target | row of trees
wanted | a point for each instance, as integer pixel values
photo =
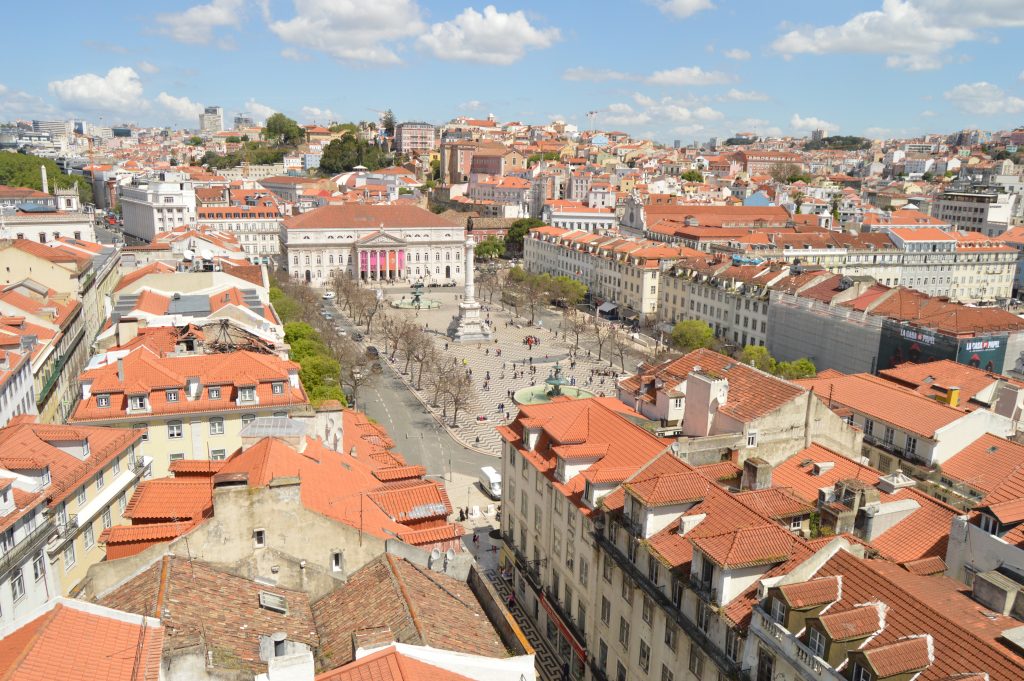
(693, 334)
(528, 292)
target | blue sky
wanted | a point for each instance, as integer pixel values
(669, 69)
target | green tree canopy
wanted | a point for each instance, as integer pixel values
(568, 291)
(757, 356)
(517, 232)
(343, 154)
(693, 176)
(692, 334)
(546, 156)
(490, 248)
(387, 122)
(283, 130)
(194, 141)
(22, 170)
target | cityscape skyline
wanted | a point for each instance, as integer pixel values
(937, 68)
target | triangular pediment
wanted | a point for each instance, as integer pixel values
(380, 239)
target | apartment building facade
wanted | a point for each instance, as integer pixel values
(157, 204)
(256, 226)
(414, 137)
(189, 406)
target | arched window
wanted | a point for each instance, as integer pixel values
(330, 260)
(437, 257)
(295, 260)
(307, 259)
(319, 260)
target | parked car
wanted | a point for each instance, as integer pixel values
(372, 351)
(328, 295)
(358, 336)
(490, 481)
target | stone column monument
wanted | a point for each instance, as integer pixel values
(469, 326)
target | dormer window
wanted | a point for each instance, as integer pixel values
(247, 394)
(816, 641)
(988, 524)
(172, 395)
(137, 402)
(277, 388)
(214, 393)
(861, 673)
(103, 401)
(778, 611)
(560, 470)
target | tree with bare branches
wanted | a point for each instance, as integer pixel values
(458, 390)
(422, 351)
(619, 343)
(576, 323)
(357, 368)
(602, 332)
(439, 370)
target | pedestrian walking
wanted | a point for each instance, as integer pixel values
(476, 537)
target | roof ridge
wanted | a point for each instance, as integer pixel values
(407, 603)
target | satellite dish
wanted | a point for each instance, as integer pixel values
(435, 555)
(187, 254)
(449, 554)
(206, 254)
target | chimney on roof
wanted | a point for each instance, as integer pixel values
(953, 396)
(120, 370)
(127, 329)
(757, 474)
(46, 183)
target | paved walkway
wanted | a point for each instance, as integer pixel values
(511, 370)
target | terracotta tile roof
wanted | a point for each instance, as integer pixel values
(860, 621)
(25, 445)
(798, 472)
(777, 502)
(926, 566)
(194, 467)
(147, 373)
(420, 607)
(122, 541)
(654, 488)
(992, 465)
(170, 499)
(199, 602)
(432, 535)
(910, 654)
(595, 421)
(343, 487)
(389, 665)
(884, 401)
(399, 473)
(965, 639)
(746, 547)
(723, 470)
(363, 216)
(752, 393)
(935, 378)
(813, 592)
(75, 641)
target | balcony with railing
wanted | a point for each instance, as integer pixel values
(530, 569)
(729, 667)
(567, 619)
(802, 659)
(29, 544)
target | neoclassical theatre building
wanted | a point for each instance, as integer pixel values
(373, 243)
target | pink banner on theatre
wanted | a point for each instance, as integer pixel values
(362, 262)
(401, 260)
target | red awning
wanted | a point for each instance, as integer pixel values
(566, 632)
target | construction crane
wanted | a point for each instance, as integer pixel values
(592, 115)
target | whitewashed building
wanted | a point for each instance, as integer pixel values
(373, 243)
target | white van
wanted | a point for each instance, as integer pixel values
(490, 480)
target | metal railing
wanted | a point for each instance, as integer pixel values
(36, 539)
(566, 617)
(729, 667)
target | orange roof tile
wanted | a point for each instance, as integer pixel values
(748, 546)
(860, 621)
(813, 592)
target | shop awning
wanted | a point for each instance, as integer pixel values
(553, 614)
(607, 307)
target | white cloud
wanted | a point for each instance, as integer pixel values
(760, 126)
(17, 104)
(623, 114)
(682, 9)
(471, 105)
(878, 133)
(260, 112)
(491, 37)
(984, 98)
(688, 75)
(706, 113)
(118, 91)
(318, 114)
(147, 67)
(913, 34)
(737, 54)
(197, 24)
(735, 95)
(595, 75)
(182, 108)
(294, 55)
(801, 124)
(928, 114)
(351, 30)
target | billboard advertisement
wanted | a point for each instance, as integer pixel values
(901, 343)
